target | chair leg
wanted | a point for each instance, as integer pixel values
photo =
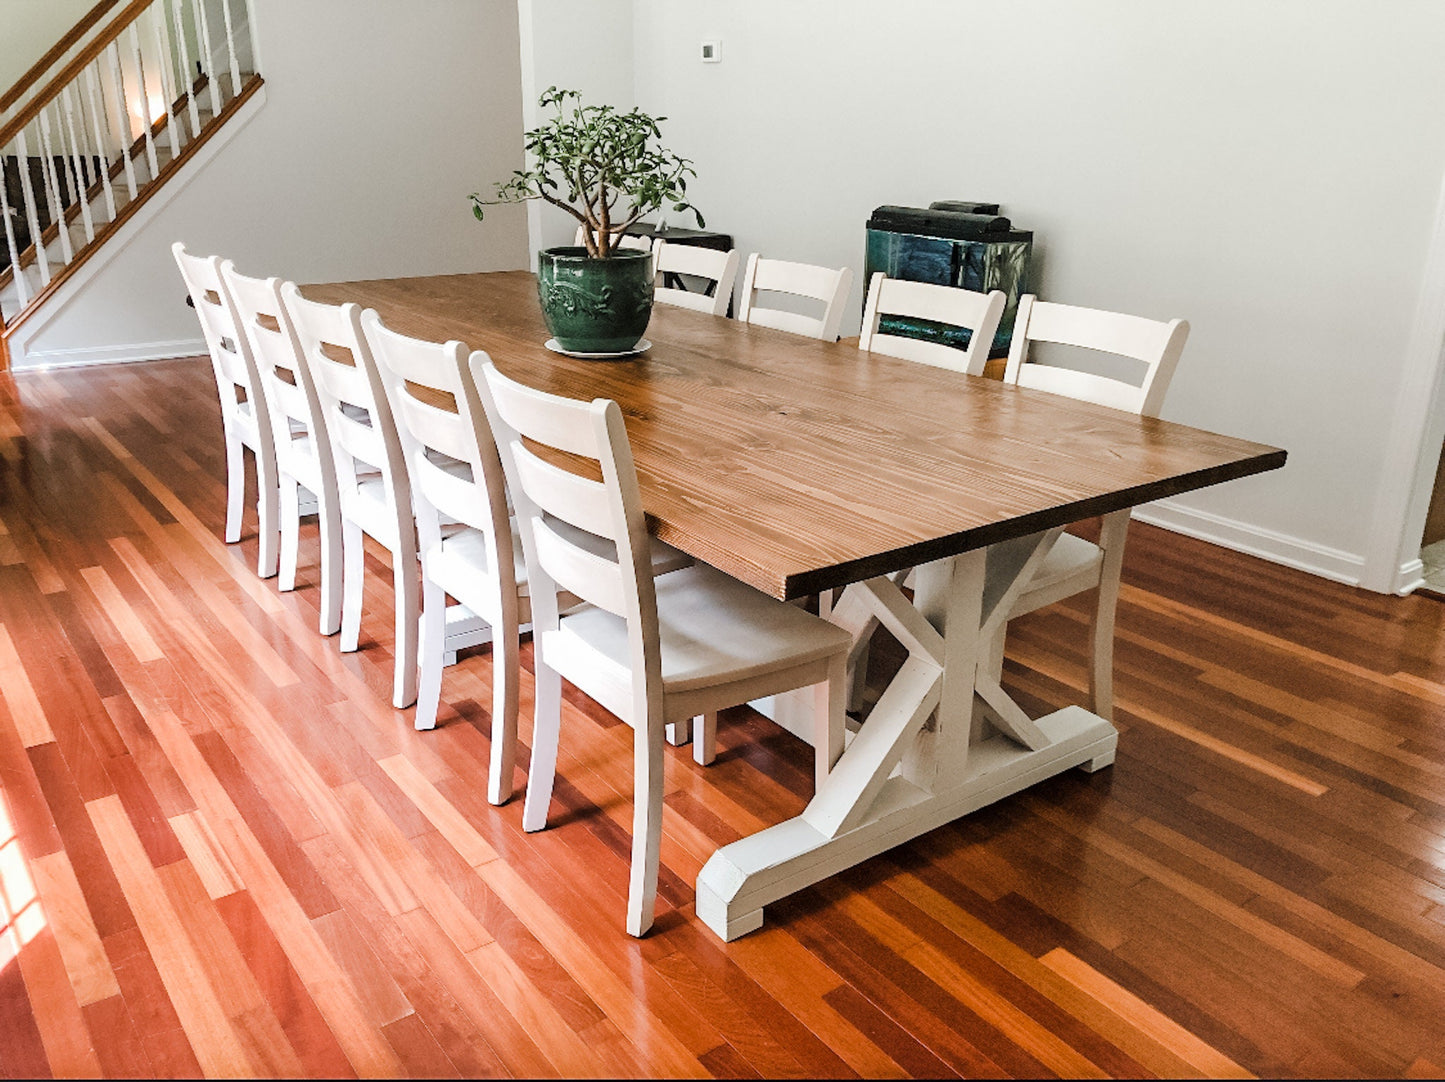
(290, 507)
(679, 732)
(646, 825)
(408, 622)
(542, 773)
(330, 522)
(235, 487)
(830, 719)
(858, 674)
(1101, 668)
(268, 508)
(506, 676)
(353, 560)
(704, 738)
(430, 653)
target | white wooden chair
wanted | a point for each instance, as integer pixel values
(371, 475)
(651, 651)
(1075, 565)
(303, 447)
(245, 413)
(977, 312)
(463, 523)
(801, 280)
(466, 535)
(720, 268)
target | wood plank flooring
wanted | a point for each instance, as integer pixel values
(223, 853)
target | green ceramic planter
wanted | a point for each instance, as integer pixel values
(595, 305)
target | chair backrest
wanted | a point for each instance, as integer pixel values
(610, 509)
(721, 268)
(978, 312)
(286, 381)
(237, 377)
(441, 421)
(1157, 345)
(353, 402)
(801, 280)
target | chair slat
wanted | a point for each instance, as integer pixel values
(358, 440)
(442, 430)
(1085, 386)
(454, 497)
(578, 500)
(591, 577)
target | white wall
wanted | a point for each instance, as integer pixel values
(581, 45)
(380, 118)
(28, 29)
(1267, 171)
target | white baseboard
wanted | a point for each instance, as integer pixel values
(1409, 578)
(1244, 537)
(139, 351)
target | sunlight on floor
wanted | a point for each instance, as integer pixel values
(21, 918)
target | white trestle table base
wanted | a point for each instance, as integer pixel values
(942, 741)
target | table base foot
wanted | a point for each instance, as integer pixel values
(743, 877)
(713, 911)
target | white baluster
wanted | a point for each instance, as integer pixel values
(32, 216)
(168, 89)
(122, 116)
(79, 166)
(140, 76)
(190, 76)
(231, 49)
(97, 116)
(208, 56)
(22, 285)
(57, 213)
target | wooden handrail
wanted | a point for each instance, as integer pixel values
(74, 68)
(63, 46)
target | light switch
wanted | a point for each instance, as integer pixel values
(711, 51)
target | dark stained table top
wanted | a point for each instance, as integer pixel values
(797, 465)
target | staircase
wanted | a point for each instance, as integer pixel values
(110, 115)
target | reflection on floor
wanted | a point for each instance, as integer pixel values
(1433, 557)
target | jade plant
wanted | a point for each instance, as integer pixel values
(604, 167)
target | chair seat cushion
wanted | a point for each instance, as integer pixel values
(713, 630)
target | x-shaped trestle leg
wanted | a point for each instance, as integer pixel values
(913, 765)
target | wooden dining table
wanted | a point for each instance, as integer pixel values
(798, 466)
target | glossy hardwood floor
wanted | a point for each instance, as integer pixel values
(222, 852)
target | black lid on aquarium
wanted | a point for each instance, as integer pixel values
(952, 224)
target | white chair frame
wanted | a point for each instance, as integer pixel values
(720, 268)
(978, 312)
(245, 413)
(1074, 565)
(371, 476)
(303, 446)
(630, 615)
(799, 279)
(464, 527)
